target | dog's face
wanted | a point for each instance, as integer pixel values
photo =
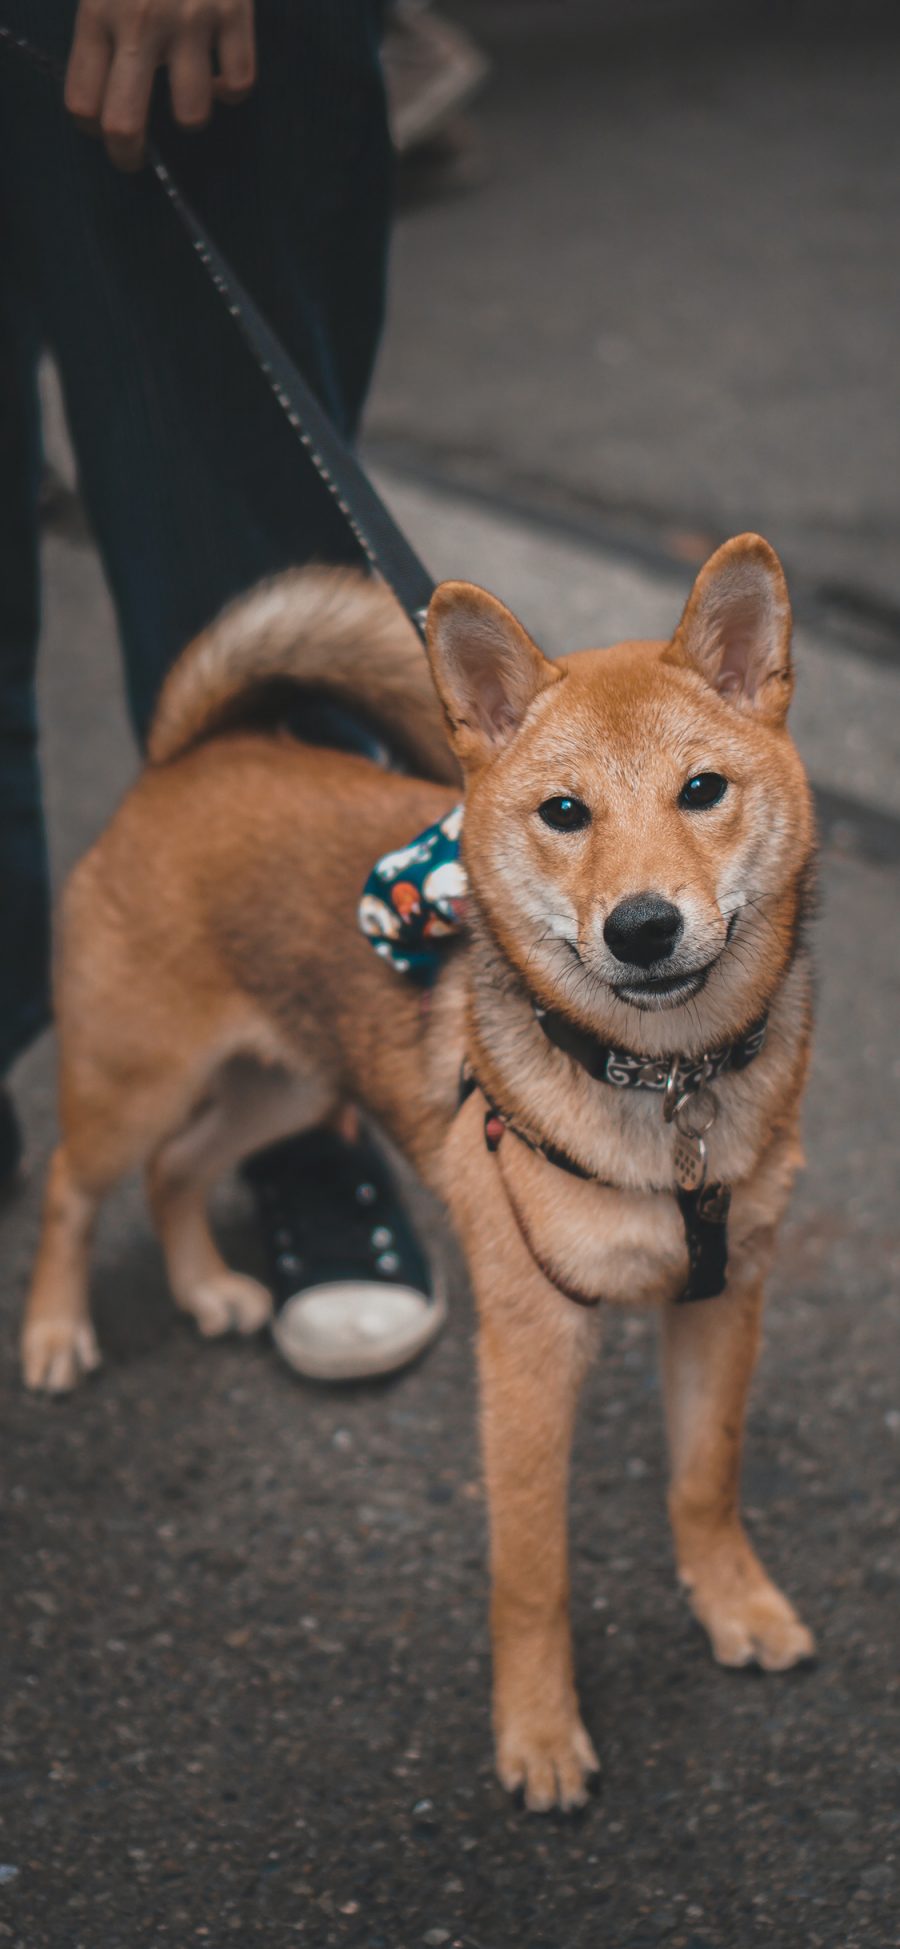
(638, 822)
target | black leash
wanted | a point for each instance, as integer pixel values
(384, 546)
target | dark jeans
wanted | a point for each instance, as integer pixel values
(194, 483)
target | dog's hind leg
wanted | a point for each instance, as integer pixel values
(112, 1117)
(709, 1351)
(119, 1105)
(248, 1107)
(219, 1300)
(58, 1340)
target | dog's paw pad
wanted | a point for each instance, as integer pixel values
(56, 1354)
(229, 1303)
(551, 1766)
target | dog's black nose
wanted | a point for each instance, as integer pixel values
(643, 929)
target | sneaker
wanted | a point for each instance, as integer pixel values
(354, 1293)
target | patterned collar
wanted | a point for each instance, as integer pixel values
(678, 1076)
(414, 900)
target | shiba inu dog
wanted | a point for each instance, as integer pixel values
(630, 1006)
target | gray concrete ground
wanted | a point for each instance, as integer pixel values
(245, 1672)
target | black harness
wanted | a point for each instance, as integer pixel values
(687, 1102)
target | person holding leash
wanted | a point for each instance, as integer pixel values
(273, 119)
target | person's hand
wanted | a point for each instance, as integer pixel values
(118, 46)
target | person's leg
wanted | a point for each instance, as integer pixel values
(24, 899)
(194, 482)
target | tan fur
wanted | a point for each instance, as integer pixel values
(214, 991)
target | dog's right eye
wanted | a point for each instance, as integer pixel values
(565, 814)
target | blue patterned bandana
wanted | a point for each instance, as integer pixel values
(414, 899)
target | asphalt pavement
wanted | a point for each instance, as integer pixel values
(244, 1659)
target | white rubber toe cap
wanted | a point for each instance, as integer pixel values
(351, 1329)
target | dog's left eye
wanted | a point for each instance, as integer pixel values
(707, 788)
(565, 814)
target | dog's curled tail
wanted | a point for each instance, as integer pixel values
(333, 631)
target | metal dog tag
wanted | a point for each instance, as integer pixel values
(690, 1161)
(696, 1114)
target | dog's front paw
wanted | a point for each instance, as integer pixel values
(748, 1619)
(57, 1353)
(551, 1760)
(230, 1302)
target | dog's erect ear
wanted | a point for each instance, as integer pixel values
(486, 669)
(736, 629)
